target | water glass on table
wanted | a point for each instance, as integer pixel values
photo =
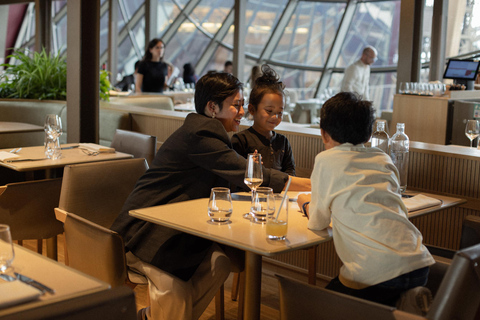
(277, 224)
(53, 131)
(220, 206)
(264, 204)
(6, 249)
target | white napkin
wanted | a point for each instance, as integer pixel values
(4, 155)
(96, 148)
(15, 292)
(420, 201)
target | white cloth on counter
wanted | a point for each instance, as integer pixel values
(96, 148)
(4, 155)
(419, 202)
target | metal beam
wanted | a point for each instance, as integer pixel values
(438, 39)
(151, 18)
(112, 61)
(336, 46)
(214, 43)
(278, 31)
(83, 42)
(173, 28)
(239, 39)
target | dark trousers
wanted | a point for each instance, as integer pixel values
(387, 292)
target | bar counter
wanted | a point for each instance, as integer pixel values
(438, 169)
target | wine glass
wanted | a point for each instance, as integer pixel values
(6, 248)
(253, 176)
(53, 131)
(472, 130)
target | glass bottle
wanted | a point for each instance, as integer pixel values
(399, 146)
(380, 138)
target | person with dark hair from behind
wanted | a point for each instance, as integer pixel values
(152, 70)
(356, 190)
(266, 105)
(189, 75)
(129, 80)
(185, 271)
(256, 72)
(228, 67)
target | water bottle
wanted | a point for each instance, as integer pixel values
(380, 138)
(399, 145)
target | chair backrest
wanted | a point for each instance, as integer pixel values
(97, 191)
(459, 294)
(28, 208)
(138, 144)
(303, 301)
(470, 232)
(95, 250)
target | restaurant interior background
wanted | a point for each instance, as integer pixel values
(309, 43)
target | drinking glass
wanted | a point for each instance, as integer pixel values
(220, 205)
(6, 248)
(277, 223)
(472, 130)
(53, 131)
(253, 176)
(264, 204)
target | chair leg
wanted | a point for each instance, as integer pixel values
(39, 246)
(220, 304)
(52, 248)
(241, 294)
(235, 283)
(312, 265)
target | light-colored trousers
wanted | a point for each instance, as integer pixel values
(172, 298)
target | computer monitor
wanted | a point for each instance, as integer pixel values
(462, 71)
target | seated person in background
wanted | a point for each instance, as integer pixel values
(152, 70)
(189, 75)
(185, 271)
(228, 67)
(255, 73)
(266, 104)
(357, 189)
(128, 81)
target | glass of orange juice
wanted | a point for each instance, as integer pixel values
(277, 224)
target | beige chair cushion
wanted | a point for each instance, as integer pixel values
(138, 144)
(97, 191)
(28, 208)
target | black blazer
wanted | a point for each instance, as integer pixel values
(194, 159)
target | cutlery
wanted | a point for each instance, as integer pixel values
(34, 283)
(16, 150)
(72, 147)
(37, 285)
(19, 160)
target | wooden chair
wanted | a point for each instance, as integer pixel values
(457, 298)
(138, 144)
(28, 208)
(97, 191)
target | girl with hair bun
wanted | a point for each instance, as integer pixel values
(266, 105)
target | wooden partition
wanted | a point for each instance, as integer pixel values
(448, 170)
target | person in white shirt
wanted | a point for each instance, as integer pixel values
(357, 75)
(356, 189)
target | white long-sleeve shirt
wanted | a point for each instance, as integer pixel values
(357, 189)
(356, 79)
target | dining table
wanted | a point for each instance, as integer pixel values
(65, 283)
(31, 159)
(18, 127)
(191, 217)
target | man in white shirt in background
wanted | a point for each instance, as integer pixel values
(357, 75)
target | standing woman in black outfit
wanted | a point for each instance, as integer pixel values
(152, 71)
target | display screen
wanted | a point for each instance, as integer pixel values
(461, 69)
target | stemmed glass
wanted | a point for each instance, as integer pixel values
(6, 249)
(53, 131)
(253, 176)
(472, 130)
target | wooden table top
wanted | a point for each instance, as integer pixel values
(17, 127)
(69, 156)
